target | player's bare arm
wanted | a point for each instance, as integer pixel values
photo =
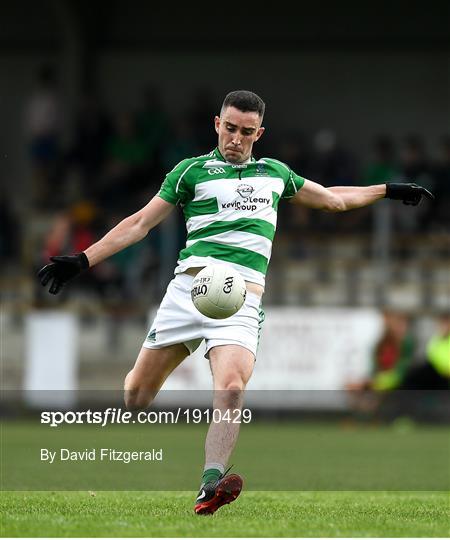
(343, 198)
(130, 230)
(337, 199)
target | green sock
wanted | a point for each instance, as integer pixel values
(211, 475)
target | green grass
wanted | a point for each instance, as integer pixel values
(343, 481)
(264, 514)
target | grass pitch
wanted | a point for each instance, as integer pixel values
(355, 482)
(264, 514)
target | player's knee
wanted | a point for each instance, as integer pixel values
(136, 397)
(235, 386)
(231, 394)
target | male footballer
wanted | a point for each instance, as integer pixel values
(230, 203)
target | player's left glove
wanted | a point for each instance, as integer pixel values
(410, 194)
(64, 268)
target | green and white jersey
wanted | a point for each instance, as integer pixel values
(230, 210)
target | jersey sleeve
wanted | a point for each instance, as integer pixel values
(174, 188)
(293, 183)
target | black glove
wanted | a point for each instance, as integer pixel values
(64, 268)
(408, 193)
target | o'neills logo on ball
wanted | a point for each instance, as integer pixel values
(245, 190)
(199, 290)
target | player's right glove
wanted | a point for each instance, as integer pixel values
(62, 269)
(410, 194)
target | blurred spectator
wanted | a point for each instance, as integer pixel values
(127, 168)
(393, 354)
(72, 231)
(44, 119)
(10, 226)
(201, 115)
(332, 165)
(383, 167)
(180, 145)
(294, 150)
(126, 149)
(115, 280)
(153, 122)
(434, 371)
(92, 131)
(439, 215)
(119, 279)
(58, 238)
(415, 166)
(391, 359)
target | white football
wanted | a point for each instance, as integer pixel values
(218, 291)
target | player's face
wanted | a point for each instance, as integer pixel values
(237, 132)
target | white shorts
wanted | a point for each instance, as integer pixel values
(178, 321)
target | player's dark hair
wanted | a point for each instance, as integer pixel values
(244, 101)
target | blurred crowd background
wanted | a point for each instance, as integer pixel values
(101, 99)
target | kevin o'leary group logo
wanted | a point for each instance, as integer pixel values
(245, 190)
(248, 202)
